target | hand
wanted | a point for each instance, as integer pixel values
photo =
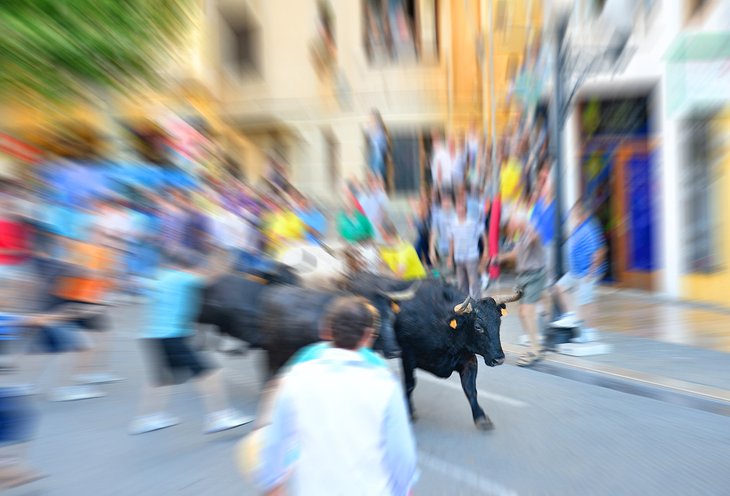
(450, 264)
(432, 255)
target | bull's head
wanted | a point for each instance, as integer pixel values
(482, 319)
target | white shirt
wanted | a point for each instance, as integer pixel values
(442, 166)
(227, 229)
(374, 204)
(339, 427)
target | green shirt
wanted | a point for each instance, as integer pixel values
(354, 228)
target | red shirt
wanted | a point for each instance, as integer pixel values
(13, 236)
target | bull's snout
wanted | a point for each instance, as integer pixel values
(496, 361)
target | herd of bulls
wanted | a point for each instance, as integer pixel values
(430, 324)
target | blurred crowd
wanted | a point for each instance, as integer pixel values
(66, 260)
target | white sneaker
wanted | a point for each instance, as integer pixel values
(485, 281)
(586, 335)
(150, 423)
(75, 393)
(567, 320)
(525, 340)
(224, 420)
(98, 378)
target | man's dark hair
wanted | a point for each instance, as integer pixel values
(348, 320)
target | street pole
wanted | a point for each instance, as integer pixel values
(493, 104)
(557, 123)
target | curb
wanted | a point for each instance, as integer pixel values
(674, 391)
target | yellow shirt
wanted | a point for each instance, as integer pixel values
(284, 227)
(510, 181)
(403, 260)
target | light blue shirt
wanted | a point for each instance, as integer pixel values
(313, 219)
(442, 222)
(466, 237)
(174, 300)
(314, 351)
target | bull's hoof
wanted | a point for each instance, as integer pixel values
(392, 354)
(484, 424)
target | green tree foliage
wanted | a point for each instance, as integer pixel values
(59, 48)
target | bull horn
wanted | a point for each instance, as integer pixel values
(500, 300)
(464, 307)
(406, 295)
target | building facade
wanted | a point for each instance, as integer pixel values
(301, 78)
(647, 141)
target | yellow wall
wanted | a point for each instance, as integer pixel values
(715, 288)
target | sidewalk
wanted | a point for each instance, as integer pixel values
(652, 338)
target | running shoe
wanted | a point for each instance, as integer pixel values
(75, 393)
(151, 423)
(224, 420)
(567, 320)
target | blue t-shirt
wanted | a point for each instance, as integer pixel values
(174, 300)
(543, 218)
(314, 351)
(195, 229)
(313, 219)
(69, 222)
(583, 244)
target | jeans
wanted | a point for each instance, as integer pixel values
(467, 277)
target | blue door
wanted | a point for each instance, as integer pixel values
(640, 213)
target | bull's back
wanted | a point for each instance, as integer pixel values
(291, 318)
(233, 303)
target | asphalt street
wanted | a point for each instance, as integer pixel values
(553, 436)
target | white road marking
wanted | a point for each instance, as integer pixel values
(484, 394)
(464, 476)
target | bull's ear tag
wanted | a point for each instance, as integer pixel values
(395, 307)
(452, 324)
(504, 312)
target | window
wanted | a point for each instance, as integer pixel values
(701, 182)
(500, 16)
(241, 41)
(400, 30)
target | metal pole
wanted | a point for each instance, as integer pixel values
(493, 104)
(557, 123)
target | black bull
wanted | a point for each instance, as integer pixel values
(438, 330)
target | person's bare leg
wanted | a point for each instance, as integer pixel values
(587, 314)
(564, 299)
(475, 283)
(14, 468)
(212, 389)
(32, 368)
(154, 399)
(84, 358)
(528, 317)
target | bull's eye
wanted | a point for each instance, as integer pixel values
(479, 329)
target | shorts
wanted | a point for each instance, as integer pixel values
(532, 284)
(97, 322)
(17, 418)
(56, 339)
(173, 361)
(584, 288)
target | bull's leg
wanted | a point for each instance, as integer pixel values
(409, 379)
(468, 373)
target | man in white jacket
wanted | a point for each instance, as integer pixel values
(337, 423)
